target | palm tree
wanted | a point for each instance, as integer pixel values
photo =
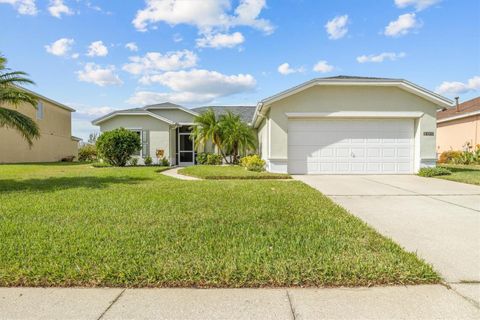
(12, 95)
(206, 128)
(237, 136)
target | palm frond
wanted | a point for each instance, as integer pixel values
(14, 78)
(15, 96)
(15, 120)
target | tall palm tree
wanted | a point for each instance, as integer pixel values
(237, 135)
(206, 128)
(12, 95)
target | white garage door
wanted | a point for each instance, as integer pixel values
(370, 146)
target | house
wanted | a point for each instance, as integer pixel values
(335, 125)
(165, 128)
(56, 141)
(459, 125)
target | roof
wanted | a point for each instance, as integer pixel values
(466, 109)
(245, 112)
(132, 112)
(355, 81)
(58, 104)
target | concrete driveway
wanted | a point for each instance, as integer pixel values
(438, 219)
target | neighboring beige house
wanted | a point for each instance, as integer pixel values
(336, 125)
(459, 125)
(56, 141)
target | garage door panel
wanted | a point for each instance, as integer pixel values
(350, 146)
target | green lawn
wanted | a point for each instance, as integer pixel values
(75, 225)
(228, 172)
(462, 173)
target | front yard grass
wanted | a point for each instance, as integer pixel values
(74, 225)
(228, 172)
(462, 173)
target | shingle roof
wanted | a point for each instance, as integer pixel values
(245, 112)
(465, 108)
(343, 77)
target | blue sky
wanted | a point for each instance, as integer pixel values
(98, 56)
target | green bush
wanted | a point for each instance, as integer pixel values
(148, 161)
(117, 146)
(164, 162)
(253, 163)
(87, 152)
(435, 171)
(214, 159)
(133, 161)
(202, 157)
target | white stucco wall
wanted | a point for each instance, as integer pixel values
(159, 131)
(350, 98)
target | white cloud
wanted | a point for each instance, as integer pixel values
(97, 49)
(392, 56)
(205, 15)
(403, 25)
(25, 7)
(61, 47)
(132, 46)
(337, 27)
(456, 87)
(285, 69)
(93, 111)
(57, 8)
(323, 67)
(154, 62)
(98, 75)
(194, 86)
(418, 4)
(220, 40)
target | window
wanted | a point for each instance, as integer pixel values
(39, 110)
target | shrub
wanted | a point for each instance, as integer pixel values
(148, 161)
(67, 159)
(117, 146)
(202, 157)
(133, 161)
(253, 163)
(164, 162)
(449, 156)
(87, 152)
(435, 171)
(214, 159)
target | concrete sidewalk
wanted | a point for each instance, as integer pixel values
(411, 302)
(174, 174)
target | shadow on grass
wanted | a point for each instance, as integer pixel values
(61, 183)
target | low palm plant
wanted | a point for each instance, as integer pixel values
(207, 128)
(11, 94)
(228, 133)
(238, 137)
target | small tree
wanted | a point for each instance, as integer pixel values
(117, 146)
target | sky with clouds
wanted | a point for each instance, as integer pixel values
(98, 55)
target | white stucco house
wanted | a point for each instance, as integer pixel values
(335, 125)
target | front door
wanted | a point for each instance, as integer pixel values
(186, 153)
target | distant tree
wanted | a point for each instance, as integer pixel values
(92, 138)
(117, 146)
(11, 94)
